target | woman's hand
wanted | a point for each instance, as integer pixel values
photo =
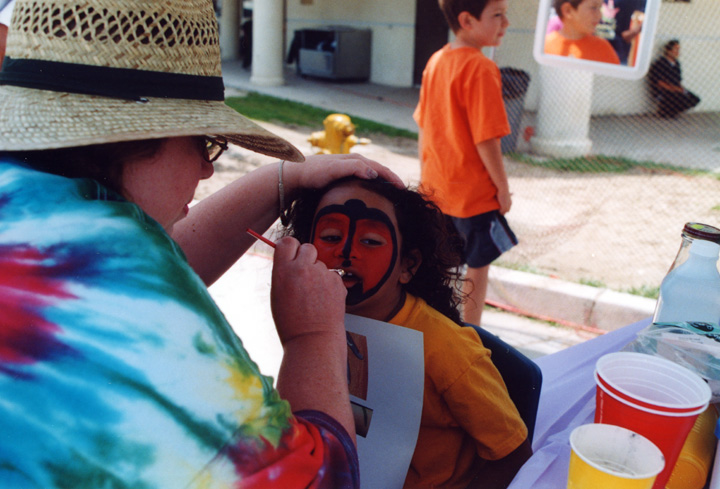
(319, 170)
(308, 305)
(213, 234)
(306, 298)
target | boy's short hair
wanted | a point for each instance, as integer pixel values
(453, 8)
(669, 45)
(557, 5)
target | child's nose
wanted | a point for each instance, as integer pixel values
(348, 250)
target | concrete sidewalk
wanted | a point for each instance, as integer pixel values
(569, 313)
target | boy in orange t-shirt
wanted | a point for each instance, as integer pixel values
(462, 118)
(576, 38)
(3, 39)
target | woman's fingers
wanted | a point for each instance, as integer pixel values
(305, 297)
(319, 170)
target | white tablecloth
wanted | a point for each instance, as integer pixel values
(567, 400)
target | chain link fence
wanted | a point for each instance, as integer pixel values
(613, 216)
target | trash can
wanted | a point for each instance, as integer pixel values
(514, 86)
(334, 52)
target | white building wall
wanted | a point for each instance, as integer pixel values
(393, 37)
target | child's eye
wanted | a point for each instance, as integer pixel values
(372, 240)
(330, 235)
(331, 238)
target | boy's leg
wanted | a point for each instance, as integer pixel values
(475, 288)
(486, 237)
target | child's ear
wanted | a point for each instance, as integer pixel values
(409, 265)
(465, 20)
(567, 9)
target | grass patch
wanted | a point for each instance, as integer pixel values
(593, 283)
(642, 291)
(272, 109)
(601, 164)
(645, 291)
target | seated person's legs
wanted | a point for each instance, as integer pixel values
(671, 104)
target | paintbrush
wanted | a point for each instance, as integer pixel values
(262, 238)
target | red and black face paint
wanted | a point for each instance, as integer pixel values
(359, 239)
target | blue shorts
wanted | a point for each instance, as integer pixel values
(486, 236)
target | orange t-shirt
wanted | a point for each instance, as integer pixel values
(3, 41)
(591, 48)
(467, 412)
(460, 105)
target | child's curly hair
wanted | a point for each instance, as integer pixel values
(422, 227)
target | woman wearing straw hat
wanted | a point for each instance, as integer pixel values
(116, 367)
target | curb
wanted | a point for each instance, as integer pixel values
(556, 300)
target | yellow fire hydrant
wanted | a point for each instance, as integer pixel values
(338, 136)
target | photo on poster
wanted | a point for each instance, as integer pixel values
(357, 365)
(358, 381)
(386, 377)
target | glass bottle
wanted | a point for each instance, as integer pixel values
(692, 231)
(691, 290)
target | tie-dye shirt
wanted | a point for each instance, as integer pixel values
(117, 370)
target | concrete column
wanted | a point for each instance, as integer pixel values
(230, 29)
(267, 43)
(563, 118)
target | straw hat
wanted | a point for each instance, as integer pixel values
(78, 72)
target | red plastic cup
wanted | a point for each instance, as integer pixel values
(623, 394)
(651, 396)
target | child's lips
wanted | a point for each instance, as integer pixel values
(350, 278)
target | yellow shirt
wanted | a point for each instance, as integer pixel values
(466, 412)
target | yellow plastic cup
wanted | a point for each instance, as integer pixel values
(607, 456)
(693, 465)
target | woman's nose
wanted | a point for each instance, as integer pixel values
(206, 170)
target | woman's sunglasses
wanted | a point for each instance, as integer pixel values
(213, 147)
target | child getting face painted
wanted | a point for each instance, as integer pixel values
(355, 230)
(400, 259)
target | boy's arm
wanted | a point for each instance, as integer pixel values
(491, 155)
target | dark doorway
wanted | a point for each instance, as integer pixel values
(431, 33)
